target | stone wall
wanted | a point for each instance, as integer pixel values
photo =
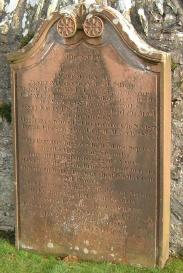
(159, 22)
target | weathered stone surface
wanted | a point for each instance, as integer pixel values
(92, 143)
(7, 200)
(162, 28)
(166, 33)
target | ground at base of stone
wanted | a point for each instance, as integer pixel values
(13, 261)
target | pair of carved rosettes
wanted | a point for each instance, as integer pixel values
(67, 26)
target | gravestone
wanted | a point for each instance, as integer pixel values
(92, 140)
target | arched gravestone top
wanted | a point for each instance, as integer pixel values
(92, 139)
(120, 24)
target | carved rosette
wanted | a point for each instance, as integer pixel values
(93, 26)
(82, 19)
(66, 26)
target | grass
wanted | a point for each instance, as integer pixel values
(13, 261)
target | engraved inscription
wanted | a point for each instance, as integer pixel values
(88, 155)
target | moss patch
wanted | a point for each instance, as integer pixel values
(26, 39)
(5, 111)
(174, 66)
